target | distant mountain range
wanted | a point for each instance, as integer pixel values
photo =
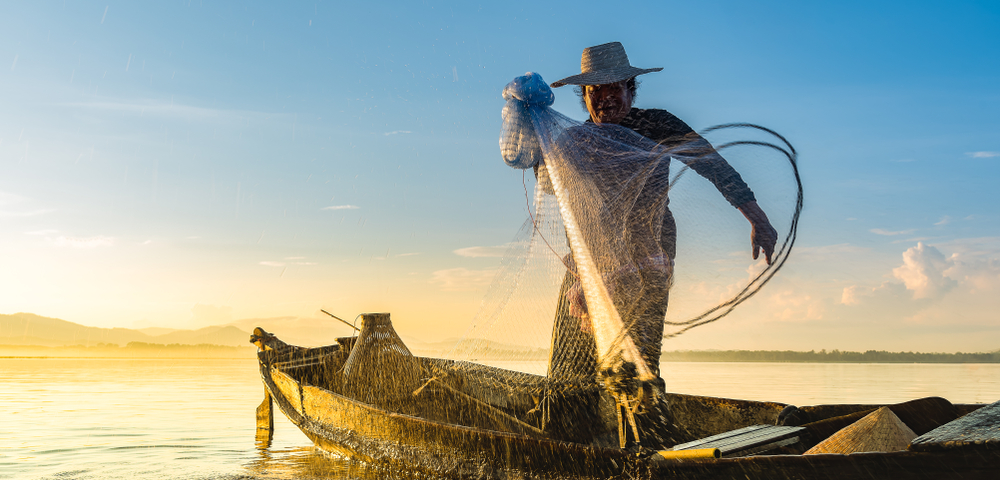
(31, 329)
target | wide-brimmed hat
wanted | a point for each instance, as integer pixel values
(602, 65)
(879, 431)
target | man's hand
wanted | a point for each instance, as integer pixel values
(762, 235)
(578, 305)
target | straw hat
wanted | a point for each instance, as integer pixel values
(602, 65)
(879, 431)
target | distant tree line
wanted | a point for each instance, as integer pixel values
(823, 356)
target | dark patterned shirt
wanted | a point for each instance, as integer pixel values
(664, 128)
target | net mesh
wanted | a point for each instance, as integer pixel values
(590, 273)
(613, 232)
(591, 270)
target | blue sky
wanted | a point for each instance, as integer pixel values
(192, 163)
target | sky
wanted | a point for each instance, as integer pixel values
(192, 163)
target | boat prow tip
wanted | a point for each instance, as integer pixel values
(260, 337)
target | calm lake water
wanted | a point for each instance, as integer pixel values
(190, 418)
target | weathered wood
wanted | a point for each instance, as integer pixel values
(979, 429)
(265, 422)
(265, 413)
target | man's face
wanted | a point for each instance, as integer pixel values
(608, 103)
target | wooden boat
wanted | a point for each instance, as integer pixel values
(463, 422)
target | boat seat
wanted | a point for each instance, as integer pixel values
(747, 441)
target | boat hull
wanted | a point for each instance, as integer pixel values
(348, 428)
(345, 427)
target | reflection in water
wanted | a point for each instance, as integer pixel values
(312, 463)
(263, 439)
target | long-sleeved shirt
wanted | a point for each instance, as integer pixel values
(669, 131)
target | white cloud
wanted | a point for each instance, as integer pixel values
(408, 254)
(926, 273)
(888, 295)
(462, 279)
(295, 258)
(272, 264)
(944, 220)
(983, 154)
(396, 132)
(879, 231)
(975, 273)
(84, 242)
(304, 263)
(923, 271)
(341, 207)
(479, 252)
(792, 305)
(852, 295)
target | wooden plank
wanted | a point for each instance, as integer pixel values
(979, 428)
(287, 388)
(700, 443)
(265, 413)
(747, 440)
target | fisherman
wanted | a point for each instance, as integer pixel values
(607, 88)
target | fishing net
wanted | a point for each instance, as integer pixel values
(613, 233)
(597, 254)
(563, 356)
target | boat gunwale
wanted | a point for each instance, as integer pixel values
(907, 461)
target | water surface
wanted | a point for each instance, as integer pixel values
(194, 418)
